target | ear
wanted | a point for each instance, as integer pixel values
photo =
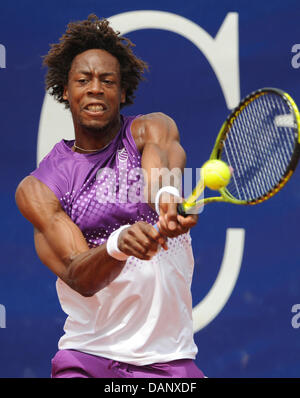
(65, 94)
(123, 96)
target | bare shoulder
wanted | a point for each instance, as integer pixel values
(155, 120)
(36, 201)
(154, 127)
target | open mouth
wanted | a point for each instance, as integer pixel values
(95, 108)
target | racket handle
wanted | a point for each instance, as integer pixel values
(180, 210)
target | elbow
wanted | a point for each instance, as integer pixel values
(84, 291)
(90, 289)
(86, 295)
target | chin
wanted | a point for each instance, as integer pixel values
(95, 126)
(98, 126)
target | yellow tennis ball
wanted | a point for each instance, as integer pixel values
(216, 174)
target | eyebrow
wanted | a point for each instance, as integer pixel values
(87, 73)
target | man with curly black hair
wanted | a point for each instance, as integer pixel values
(91, 34)
(124, 261)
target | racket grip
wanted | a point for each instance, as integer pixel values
(180, 210)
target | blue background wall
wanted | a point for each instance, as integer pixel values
(253, 335)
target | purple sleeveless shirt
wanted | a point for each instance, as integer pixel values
(99, 191)
(130, 319)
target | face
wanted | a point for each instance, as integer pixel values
(94, 91)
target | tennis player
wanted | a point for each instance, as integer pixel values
(124, 284)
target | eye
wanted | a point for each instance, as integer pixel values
(82, 81)
(108, 81)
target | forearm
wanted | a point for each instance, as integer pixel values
(96, 268)
(92, 271)
(162, 167)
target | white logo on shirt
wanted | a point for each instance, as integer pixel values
(122, 155)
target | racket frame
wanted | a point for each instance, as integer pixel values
(218, 148)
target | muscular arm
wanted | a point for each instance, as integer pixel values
(157, 138)
(62, 247)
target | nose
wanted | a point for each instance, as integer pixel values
(95, 87)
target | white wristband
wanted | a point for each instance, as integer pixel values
(112, 245)
(169, 189)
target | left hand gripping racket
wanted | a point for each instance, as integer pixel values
(260, 141)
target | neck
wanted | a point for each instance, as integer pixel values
(94, 139)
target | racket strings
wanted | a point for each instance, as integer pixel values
(246, 157)
(235, 164)
(259, 146)
(267, 173)
(280, 165)
(264, 173)
(286, 121)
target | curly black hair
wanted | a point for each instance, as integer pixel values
(93, 33)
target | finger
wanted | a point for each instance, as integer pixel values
(146, 243)
(171, 216)
(165, 229)
(188, 221)
(135, 242)
(168, 208)
(139, 251)
(153, 233)
(162, 239)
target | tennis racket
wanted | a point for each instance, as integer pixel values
(260, 141)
